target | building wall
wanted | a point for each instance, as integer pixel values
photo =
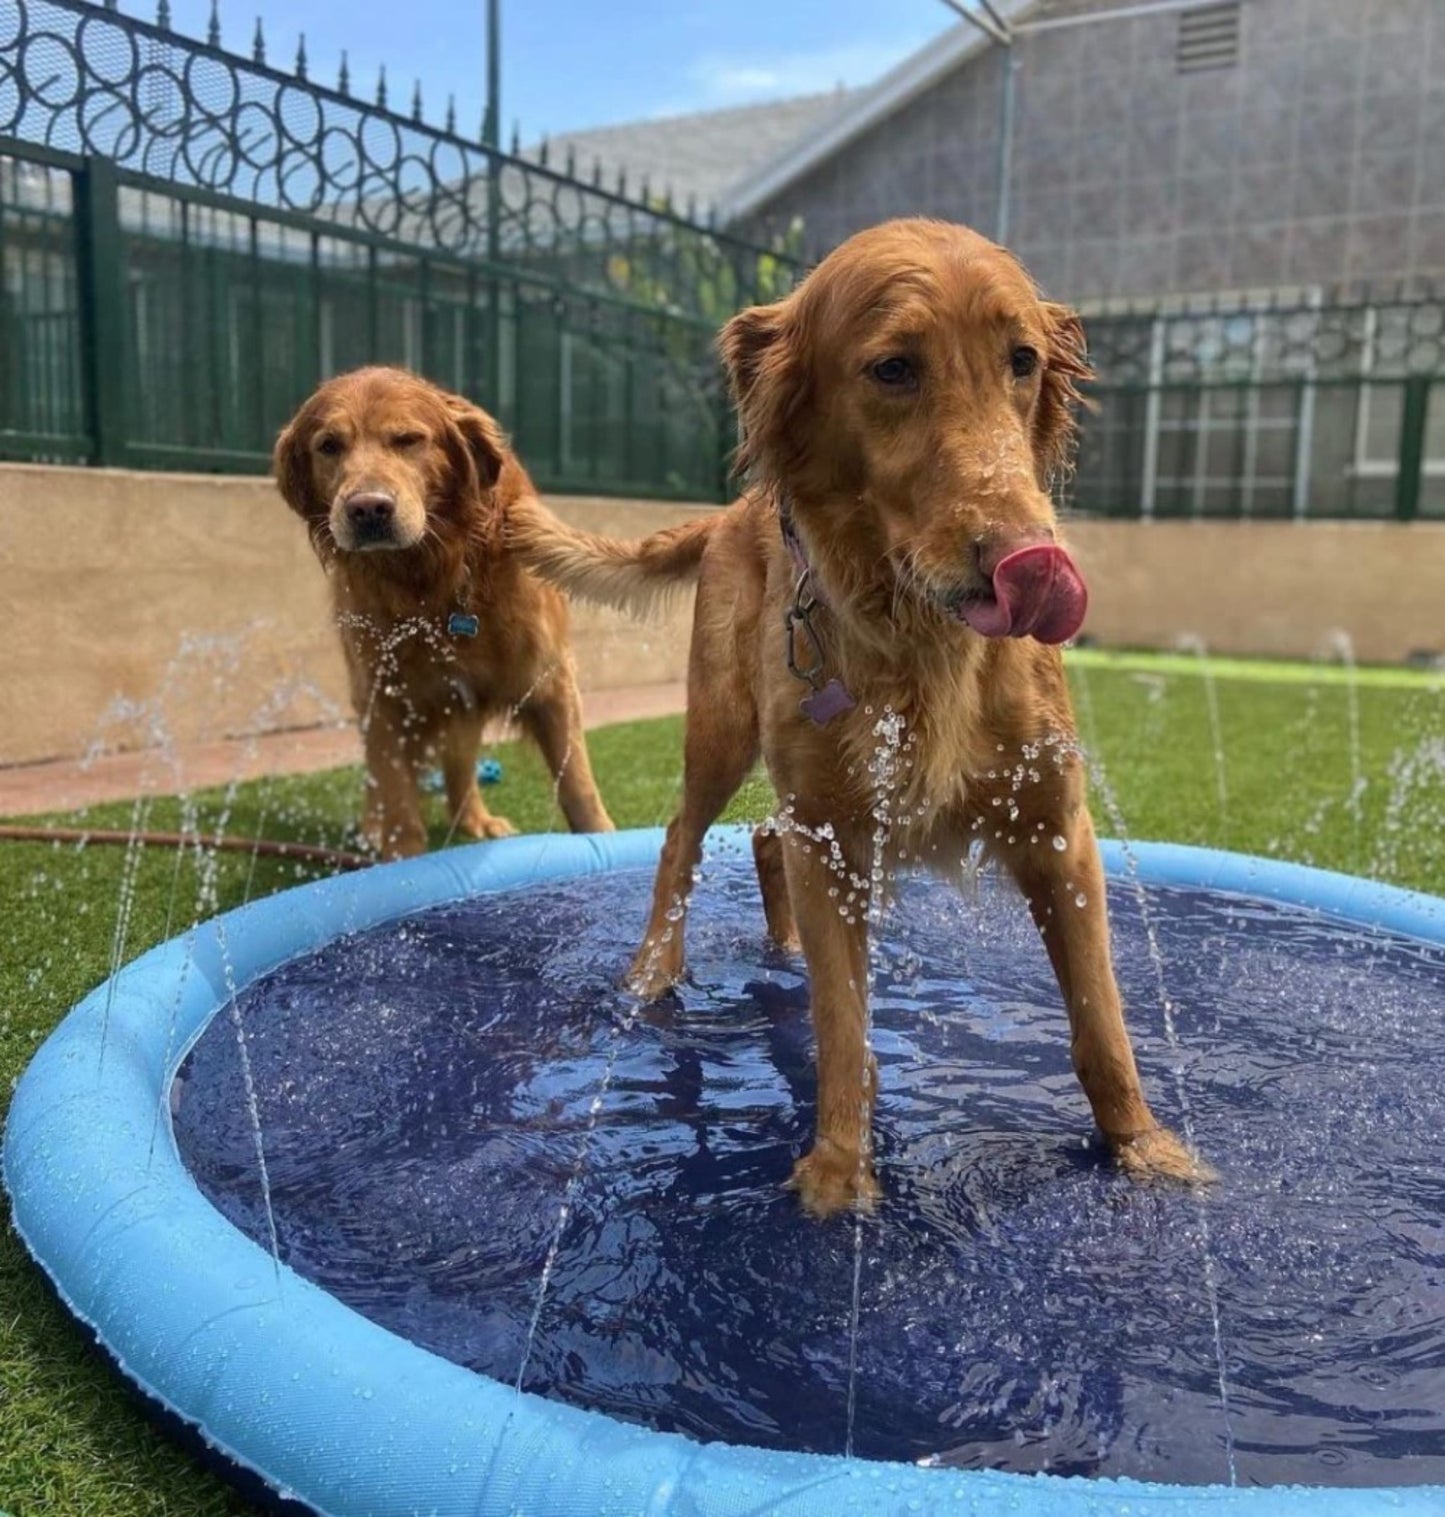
(1319, 159)
(142, 608)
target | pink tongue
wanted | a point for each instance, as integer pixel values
(1037, 593)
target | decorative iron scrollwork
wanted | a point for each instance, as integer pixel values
(1382, 338)
(172, 109)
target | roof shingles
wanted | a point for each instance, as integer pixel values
(700, 156)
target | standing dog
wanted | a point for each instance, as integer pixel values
(889, 595)
(405, 490)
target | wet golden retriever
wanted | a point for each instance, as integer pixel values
(879, 616)
(405, 490)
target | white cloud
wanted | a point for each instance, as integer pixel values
(716, 80)
(732, 82)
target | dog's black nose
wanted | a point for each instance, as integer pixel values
(370, 511)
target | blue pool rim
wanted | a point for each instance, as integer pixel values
(286, 1382)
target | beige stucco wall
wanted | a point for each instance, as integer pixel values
(137, 608)
(141, 608)
(1273, 588)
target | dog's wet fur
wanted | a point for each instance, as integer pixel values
(405, 490)
(907, 407)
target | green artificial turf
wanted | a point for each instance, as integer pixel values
(71, 1441)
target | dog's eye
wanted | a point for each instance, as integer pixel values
(408, 439)
(328, 445)
(893, 371)
(1023, 362)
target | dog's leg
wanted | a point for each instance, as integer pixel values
(466, 810)
(773, 882)
(553, 720)
(1065, 893)
(720, 747)
(838, 1172)
(392, 822)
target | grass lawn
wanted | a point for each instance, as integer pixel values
(71, 1441)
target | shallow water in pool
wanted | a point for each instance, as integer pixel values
(426, 1090)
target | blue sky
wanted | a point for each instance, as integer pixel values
(578, 63)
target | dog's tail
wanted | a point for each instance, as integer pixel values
(629, 575)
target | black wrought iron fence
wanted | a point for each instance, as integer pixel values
(190, 239)
(1300, 406)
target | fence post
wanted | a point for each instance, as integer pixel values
(102, 307)
(729, 434)
(493, 356)
(1412, 448)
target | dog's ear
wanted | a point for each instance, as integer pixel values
(1066, 366)
(757, 351)
(291, 464)
(483, 441)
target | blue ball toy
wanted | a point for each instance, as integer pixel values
(489, 772)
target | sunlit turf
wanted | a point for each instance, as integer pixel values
(71, 1440)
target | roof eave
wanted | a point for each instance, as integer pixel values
(904, 83)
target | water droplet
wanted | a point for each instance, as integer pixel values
(1060, 842)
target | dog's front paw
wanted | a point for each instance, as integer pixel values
(1159, 1155)
(830, 1180)
(388, 845)
(364, 838)
(485, 826)
(656, 969)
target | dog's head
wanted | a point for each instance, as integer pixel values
(911, 401)
(380, 461)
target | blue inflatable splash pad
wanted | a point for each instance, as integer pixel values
(526, 1249)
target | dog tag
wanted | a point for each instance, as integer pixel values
(823, 705)
(463, 624)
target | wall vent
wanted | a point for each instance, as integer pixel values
(1208, 38)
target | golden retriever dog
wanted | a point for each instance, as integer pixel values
(405, 490)
(879, 615)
